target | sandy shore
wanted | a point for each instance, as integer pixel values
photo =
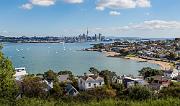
(110, 54)
(163, 65)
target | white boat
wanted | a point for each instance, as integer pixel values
(17, 50)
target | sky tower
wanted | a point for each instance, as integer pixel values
(87, 32)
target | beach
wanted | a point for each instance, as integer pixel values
(163, 65)
(111, 54)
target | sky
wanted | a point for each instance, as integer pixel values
(120, 18)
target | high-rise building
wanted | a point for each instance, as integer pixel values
(87, 34)
(95, 37)
(99, 36)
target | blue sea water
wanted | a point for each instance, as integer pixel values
(40, 57)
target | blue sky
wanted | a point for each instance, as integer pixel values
(135, 18)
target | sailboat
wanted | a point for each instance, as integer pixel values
(64, 46)
(17, 50)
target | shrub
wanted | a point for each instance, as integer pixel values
(139, 93)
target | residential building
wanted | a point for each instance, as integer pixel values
(171, 73)
(49, 85)
(159, 82)
(63, 78)
(90, 81)
(128, 82)
(70, 90)
(20, 72)
(117, 80)
(177, 66)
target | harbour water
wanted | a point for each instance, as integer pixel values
(40, 57)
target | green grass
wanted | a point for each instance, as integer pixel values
(106, 102)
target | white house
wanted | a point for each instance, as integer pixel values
(177, 66)
(20, 72)
(128, 82)
(171, 73)
(49, 85)
(89, 82)
(117, 80)
(70, 90)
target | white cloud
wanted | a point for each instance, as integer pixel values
(151, 28)
(122, 4)
(143, 3)
(157, 25)
(74, 1)
(114, 13)
(27, 6)
(47, 3)
(43, 2)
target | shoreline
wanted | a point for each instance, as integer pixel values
(111, 54)
(163, 65)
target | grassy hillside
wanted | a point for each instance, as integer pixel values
(105, 102)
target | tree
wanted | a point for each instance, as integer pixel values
(119, 89)
(107, 81)
(71, 76)
(58, 90)
(8, 87)
(148, 72)
(107, 75)
(50, 76)
(172, 91)
(139, 92)
(93, 70)
(98, 46)
(171, 56)
(34, 87)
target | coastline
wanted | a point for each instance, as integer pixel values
(111, 54)
(163, 65)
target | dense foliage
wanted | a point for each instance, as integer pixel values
(8, 87)
(33, 87)
(50, 75)
(139, 93)
(172, 91)
(148, 72)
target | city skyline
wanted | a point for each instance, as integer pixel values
(119, 18)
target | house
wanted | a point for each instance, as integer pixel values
(162, 55)
(128, 81)
(90, 81)
(159, 82)
(177, 66)
(20, 72)
(177, 53)
(70, 90)
(171, 73)
(49, 85)
(178, 77)
(63, 78)
(117, 79)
